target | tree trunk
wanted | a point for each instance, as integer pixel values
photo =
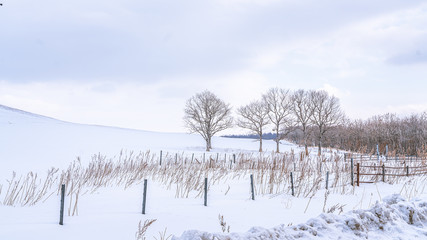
(305, 145)
(320, 146)
(304, 132)
(208, 144)
(277, 140)
(260, 143)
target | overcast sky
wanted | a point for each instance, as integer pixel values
(134, 64)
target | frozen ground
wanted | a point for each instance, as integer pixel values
(34, 143)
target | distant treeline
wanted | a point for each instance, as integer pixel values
(265, 136)
(400, 135)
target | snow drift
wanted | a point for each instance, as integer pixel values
(394, 218)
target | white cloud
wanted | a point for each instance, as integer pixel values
(335, 91)
(407, 109)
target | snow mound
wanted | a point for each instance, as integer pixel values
(393, 218)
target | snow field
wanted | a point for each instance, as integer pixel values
(105, 185)
(110, 197)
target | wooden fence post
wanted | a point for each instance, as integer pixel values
(161, 157)
(61, 211)
(234, 158)
(206, 191)
(407, 171)
(292, 184)
(192, 158)
(358, 173)
(252, 187)
(144, 196)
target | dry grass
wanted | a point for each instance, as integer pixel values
(224, 226)
(142, 229)
(163, 235)
(186, 172)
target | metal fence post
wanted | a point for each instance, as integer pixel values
(61, 211)
(206, 191)
(292, 184)
(252, 187)
(144, 197)
(352, 172)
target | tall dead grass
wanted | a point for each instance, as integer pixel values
(185, 174)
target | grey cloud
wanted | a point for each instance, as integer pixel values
(153, 40)
(104, 88)
(414, 57)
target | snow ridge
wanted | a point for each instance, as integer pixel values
(12, 115)
(394, 218)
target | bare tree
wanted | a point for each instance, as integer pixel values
(392, 134)
(302, 109)
(254, 117)
(207, 115)
(327, 113)
(279, 105)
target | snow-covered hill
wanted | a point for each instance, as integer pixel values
(110, 211)
(33, 142)
(13, 116)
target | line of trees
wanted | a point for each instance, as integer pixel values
(282, 109)
(397, 135)
(307, 118)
